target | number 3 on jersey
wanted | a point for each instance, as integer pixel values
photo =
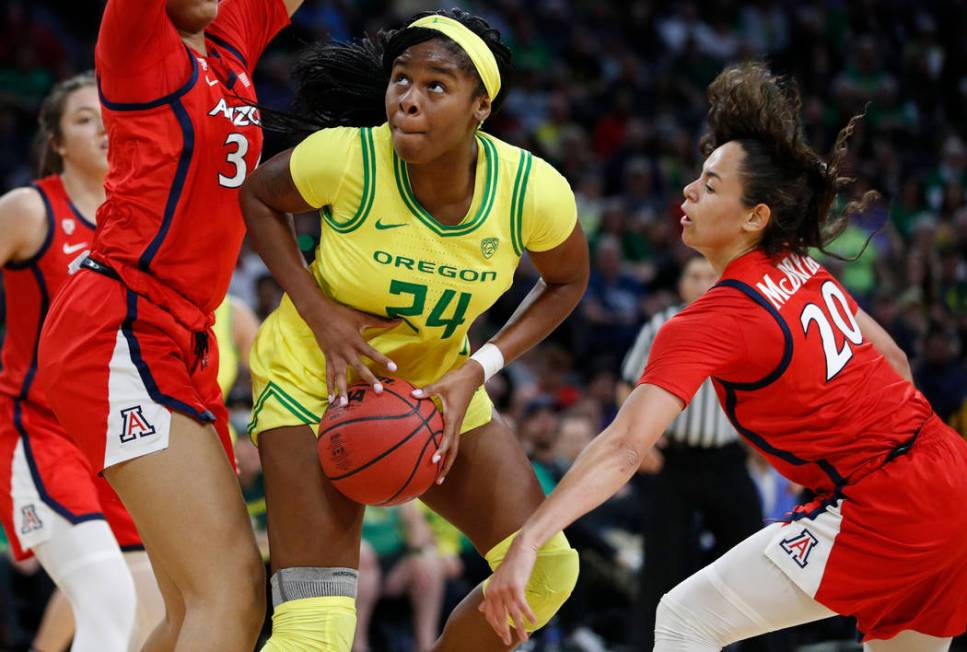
(837, 306)
(236, 158)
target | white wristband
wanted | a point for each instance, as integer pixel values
(490, 358)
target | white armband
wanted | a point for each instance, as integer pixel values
(490, 358)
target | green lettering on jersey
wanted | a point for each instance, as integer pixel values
(414, 309)
(434, 268)
(436, 318)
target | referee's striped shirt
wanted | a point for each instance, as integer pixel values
(703, 423)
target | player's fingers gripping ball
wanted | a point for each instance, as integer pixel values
(379, 448)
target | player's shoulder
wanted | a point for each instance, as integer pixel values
(335, 137)
(23, 223)
(518, 165)
(332, 145)
(24, 204)
(723, 306)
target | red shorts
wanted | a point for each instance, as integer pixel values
(892, 552)
(43, 473)
(115, 366)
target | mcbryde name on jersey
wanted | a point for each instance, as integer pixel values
(797, 270)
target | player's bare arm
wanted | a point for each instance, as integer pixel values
(292, 5)
(605, 466)
(883, 343)
(23, 224)
(267, 198)
(564, 276)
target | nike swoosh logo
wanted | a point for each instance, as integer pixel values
(69, 249)
(383, 227)
(211, 82)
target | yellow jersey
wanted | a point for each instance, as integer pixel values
(382, 253)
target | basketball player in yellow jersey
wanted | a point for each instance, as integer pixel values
(424, 220)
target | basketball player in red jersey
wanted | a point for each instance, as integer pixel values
(811, 381)
(136, 388)
(51, 503)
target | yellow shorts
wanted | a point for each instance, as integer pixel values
(289, 377)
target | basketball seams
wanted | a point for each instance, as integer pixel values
(384, 454)
(424, 422)
(401, 448)
(431, 439)
(382, 417)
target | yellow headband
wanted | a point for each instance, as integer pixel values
(481, 56)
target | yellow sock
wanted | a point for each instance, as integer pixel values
(313, 625)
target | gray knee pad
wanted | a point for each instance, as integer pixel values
(308, 582)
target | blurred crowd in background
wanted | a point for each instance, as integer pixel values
(613, 95)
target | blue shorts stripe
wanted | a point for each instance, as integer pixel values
(35, 473)
(170, 402)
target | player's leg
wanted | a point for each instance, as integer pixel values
(909, 641)
(186, 503)
(165, 634)
(151, 606)
(85, 562)
(421, 577)
(489, 493)
(56, 627)
(741, 595)
(314, 534)
(367, 594)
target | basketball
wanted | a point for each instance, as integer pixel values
(377, 450)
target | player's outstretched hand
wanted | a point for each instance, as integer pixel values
(455, 390)
(504, 598)
(339, 332)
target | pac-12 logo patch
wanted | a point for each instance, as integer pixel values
(799, 547)
(31, 521)
(68, 225)
(134, 424)
(488, 247)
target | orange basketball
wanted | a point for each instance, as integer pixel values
(378, 449)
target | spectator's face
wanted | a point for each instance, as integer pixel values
(716, 220)
(432, 103)
(697, 278)
(540, 430)
(83, 141)
(192, 16)
(576, 433)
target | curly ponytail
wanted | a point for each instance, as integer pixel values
(761, 111)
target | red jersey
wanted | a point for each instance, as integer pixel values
(30, 285)
(792, 371)
(183, 136)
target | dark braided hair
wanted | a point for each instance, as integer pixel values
(761, 111)
(344, 84)
(51, 113)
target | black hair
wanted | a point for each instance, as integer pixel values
(761, 111)
(344, 84)
(51, 113)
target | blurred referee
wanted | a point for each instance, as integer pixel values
(701, 484)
